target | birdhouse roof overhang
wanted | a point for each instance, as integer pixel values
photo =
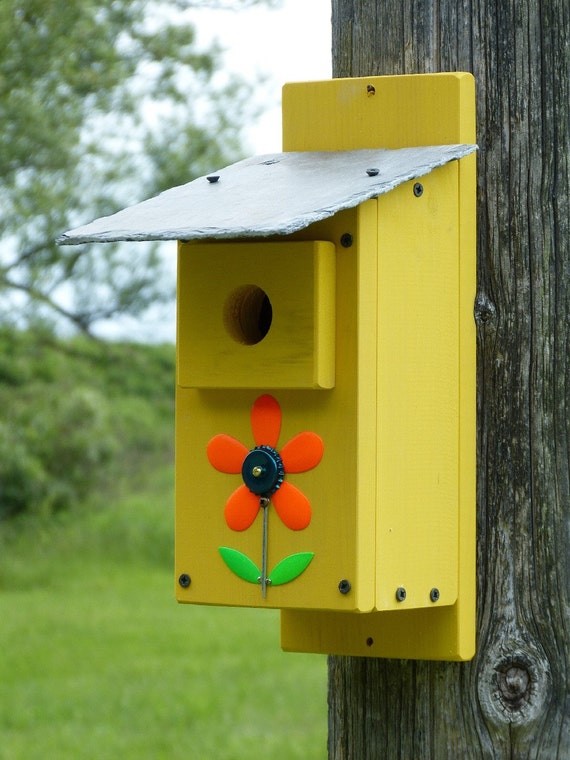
(274, 194)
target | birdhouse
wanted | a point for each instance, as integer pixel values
(325, 411)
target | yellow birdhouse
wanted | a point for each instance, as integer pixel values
(325, 412)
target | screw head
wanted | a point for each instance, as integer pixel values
(418, 189)
(434, 594)
(344, 586)
(184, 580)
(373, 172)
(400, 594)
(213, 178)
(346, 240)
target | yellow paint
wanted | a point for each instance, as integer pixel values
(339, 489)
(423, 634)
(404, 111)
(425, 400)
(371, 347)
(298, 348)
(418, 392)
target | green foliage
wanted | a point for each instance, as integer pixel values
(80, 417)
(102, 103)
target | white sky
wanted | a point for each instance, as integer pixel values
(288, 44)
(291, 43)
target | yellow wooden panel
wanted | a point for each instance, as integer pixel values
(398, 112)
(226, 289)
(340, 489)
(418, 392)
(407, 111)
(467, 405)
(433, 633)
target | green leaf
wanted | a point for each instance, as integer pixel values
(290, 568)
(240, 564)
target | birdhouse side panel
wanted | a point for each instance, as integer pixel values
(418, 392)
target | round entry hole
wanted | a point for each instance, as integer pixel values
(248, 314)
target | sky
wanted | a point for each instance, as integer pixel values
(291, 43)
(288, 44)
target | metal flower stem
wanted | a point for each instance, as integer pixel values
(264, 503)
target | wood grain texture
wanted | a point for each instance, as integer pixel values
(513, 700)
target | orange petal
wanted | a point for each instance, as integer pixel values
(266, 421)
(302, 453)
(226, 454)
(292, 506)
(241, 509)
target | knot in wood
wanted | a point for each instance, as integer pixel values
(514, 687)
(516, 684)
(485, 310)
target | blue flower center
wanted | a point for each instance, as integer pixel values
(262, 470)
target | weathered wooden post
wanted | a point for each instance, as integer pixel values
(513, 700)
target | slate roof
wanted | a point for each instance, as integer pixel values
(266, 195)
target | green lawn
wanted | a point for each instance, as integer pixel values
(98, 661)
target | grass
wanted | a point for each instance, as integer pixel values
(98, 661)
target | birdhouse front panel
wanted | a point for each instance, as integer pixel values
(275, 482)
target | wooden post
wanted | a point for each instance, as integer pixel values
(513, 700)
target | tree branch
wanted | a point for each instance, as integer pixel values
(81, 321)
(25, 256)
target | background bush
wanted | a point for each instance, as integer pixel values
(80, 418)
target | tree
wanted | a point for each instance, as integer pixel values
(513, 699)
(102, 103)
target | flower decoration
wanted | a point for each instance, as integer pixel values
(263, 469)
